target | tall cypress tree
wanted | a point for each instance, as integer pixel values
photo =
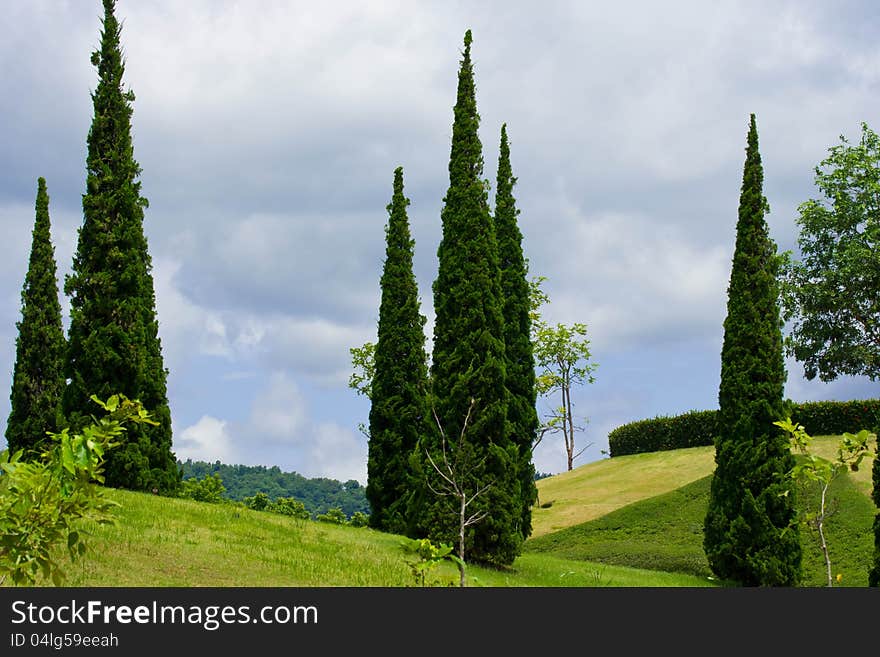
(38, 375)
(749, 534)
(113, 339)
(519, 358)
(468, 361)
(398, 410)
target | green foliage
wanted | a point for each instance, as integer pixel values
(748, 511)
(37, 378)
(334, 516)
(398, 404)
(690, 429)
(518, 348)
(43, 503)
(831, 295)
(468, 358)
(699, 428)
(209, 488)
(562, 353)
(811, 469)
(258, 502)
(317, 494)
(113, 338)
(359, 519)
(424, 557)
(363, 363)
(288, 506)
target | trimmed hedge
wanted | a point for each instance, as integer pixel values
(699, 428)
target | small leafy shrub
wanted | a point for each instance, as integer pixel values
(424, 557)
(289, 506)
(209, 488)
(851, 450)
(258, 502)
(334, 516)
(42, 502)
(359, 519)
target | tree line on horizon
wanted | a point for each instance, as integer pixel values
(450, 442)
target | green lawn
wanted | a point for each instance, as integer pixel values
(628, 521)
(171, 542)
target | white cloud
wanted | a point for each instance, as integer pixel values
(184, 325)
(633, 279)
(206, 440)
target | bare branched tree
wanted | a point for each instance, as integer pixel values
(455, 472)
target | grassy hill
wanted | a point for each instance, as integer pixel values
(628, 521)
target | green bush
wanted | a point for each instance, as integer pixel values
(42, 502)
(335, 516)
(209, 488)
(837, 418)
(359, 519)
(288, 506)
(691, 429)
(698, 428)
(258, 502)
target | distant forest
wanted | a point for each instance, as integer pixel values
(318, 495)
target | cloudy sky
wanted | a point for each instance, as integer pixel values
(268, 133)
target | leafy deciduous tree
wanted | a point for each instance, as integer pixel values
(833, 293)
(562, 353)
(851, 450)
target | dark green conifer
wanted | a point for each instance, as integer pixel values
(519, 357)
(398, 410)
(749, 534)
(113, 339)
(468, 361)
(38, 374)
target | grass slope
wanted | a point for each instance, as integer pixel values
(666, 533)
(628, 521)
(595, 489)
(162, 541)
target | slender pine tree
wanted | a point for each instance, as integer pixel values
(38, 374)
(519, 356)
(750, 536)
(113, 339)
(398, 410)
(468, 361)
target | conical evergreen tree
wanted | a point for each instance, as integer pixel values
(38, 374)
(749, 536)
(113, 339)
(398, 410)
(519, 358)
(468, 361)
